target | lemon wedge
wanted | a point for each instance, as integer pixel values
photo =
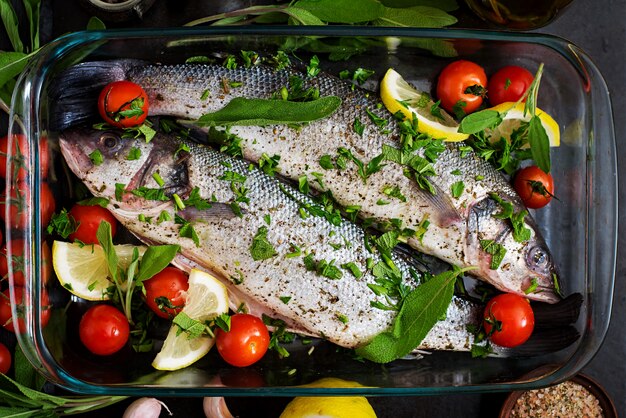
(399, 96)
(331, 407)
(207, 298)
(515, 116)
(83, 270)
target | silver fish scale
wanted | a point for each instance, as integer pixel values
(177, 90)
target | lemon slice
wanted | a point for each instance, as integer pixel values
(207, 298)
(398, 95)
(332, 407)
(515, 116)
(84, 271)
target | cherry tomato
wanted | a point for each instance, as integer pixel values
(123, 104)
(509, 84)
(21, 152)
(511, 318)
(461, 85)
(171, 284)
(5, 309)
(104, 330)
(5, 359)
(18, 210)
(534, 186)
(89, 218)
(245, 343)
(17, 254)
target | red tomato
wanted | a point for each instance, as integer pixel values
(508, 320)
(534, 186)
(509, 84)
(18, 209)
(21, 152)
(462, 82)
(123, 104)
(5, 359)
(89, 218)
(245, 343)
(171, 284)
(17, 254)
(5, 309)
(104, 330)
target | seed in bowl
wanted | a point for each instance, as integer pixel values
(568, 399)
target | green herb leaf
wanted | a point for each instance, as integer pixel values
(326, 162)
(63, 224)
(103, 202)
(96, 157)
(95, 24)
(193, 328)
(261, 248)
(9, 18)
(417, 17)
(120, 189)
(133, 154)
(106, 242)
(155, 259)
(332, 11)
(457, 189)
(420, 311)
(151, 194)
(539, 143)
(285, 299)
(353, 268)
(358, 126)
(242, 111)
(480, 121)
(196, 200)
(496, 250)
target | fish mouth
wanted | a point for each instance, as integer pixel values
(76, 159)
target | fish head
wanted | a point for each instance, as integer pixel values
(526, 267)
(115, 167)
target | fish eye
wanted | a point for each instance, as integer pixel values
(538, 259)
(110, 141)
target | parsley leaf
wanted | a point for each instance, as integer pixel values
(96, 157)
(261, 248)
(496, 250)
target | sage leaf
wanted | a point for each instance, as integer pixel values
(539, 144)
(155, 259)
(9, 18)
(25, 373)
(343, 11)
(419, 17)
(106, 242)
(302, 17)
(480, 121)
(38, 398)
(242, 111)
(420, 311)
(445, 5)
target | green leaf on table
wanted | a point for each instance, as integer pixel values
(242, 111)
(302, 17)
(343, 11)
(438, 47)
(11, 64)
(417, 17)
(9, 18)
(33, 8)
(31, 396)
(445, 5)
(25, 373)
(155, 259)
(420, 311)
(95, 24)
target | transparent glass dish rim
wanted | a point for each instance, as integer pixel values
(600, 212)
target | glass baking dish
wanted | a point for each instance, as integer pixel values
(580, 228)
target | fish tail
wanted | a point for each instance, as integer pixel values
(74, 92)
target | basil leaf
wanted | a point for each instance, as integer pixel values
(242, 111)
(539, 144)
(155, 259)
(420, 311)
(480, 121)
(334, 11)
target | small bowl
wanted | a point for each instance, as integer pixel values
(606, 403)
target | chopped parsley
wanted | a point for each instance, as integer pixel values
(532, 287)
(322, 267)
(63, 224)
(394, 191)
(496, 250)
(279, 335)
(353, 268)
(285, 299)
(377, 120)
(120, 189)
(268, 164)
(358, 126)
(313, 68)
(196, 200)
(187, 230)
(261, 248)
(150, 194)
(326, 162)
(96, 157)
(457, 189)
(133, 154)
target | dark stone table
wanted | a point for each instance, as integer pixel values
(598, 27)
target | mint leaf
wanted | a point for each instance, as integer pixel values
(539, 143)
(63, 224)
(96, 157)
(106, 242)
(457, 189)
(480, 121)
(333, 11)
(496, 250)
